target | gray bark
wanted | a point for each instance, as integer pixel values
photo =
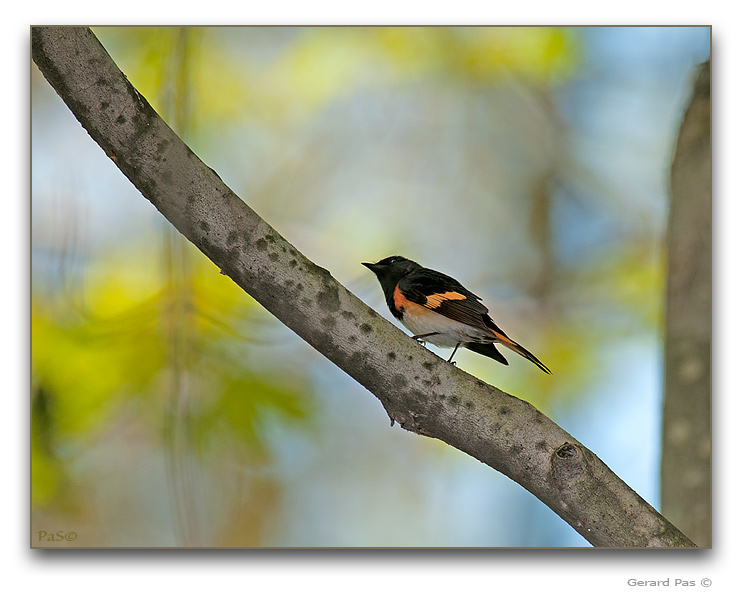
(418, 389)
(686, 451)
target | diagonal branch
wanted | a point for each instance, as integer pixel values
(419, 390)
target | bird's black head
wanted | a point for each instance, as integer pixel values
(391, 270)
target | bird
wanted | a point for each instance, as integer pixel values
(438, 309)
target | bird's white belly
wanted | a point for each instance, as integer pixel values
(449, 333)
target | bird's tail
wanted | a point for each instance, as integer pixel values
(488, 349)
(503, 339)
(514, 346)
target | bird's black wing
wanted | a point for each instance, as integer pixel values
(444, 295)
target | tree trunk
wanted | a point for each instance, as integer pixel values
(686, 445)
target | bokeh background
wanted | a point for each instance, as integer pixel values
(169, 409)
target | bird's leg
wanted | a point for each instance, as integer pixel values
(456, 348)
(419, 337)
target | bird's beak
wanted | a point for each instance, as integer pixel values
(369, 265)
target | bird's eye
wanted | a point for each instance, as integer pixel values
(392, 261)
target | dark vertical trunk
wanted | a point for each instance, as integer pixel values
(686, 447)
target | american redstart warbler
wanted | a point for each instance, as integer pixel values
(439, 309)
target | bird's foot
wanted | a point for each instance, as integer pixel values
(419, 337)
(450, 359)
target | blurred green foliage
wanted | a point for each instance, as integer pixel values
(91, 361)
(276, 74)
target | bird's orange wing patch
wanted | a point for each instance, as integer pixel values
(435, 300)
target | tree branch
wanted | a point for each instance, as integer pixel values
(418, 389)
